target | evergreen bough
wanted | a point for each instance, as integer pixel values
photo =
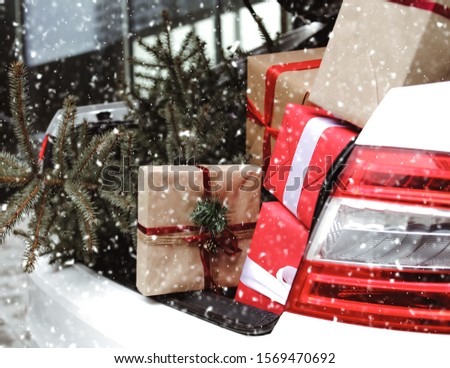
(187, 110)
(65, 203)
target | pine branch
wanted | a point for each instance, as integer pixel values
(88, 236)
(67, 121)
(19, 110)
(31, 253)
(119, 200)
(82, 203)
(64, 207)
(84, 136)
(74, 144)
(127, 144)
(148, 48)
(100, 146)
(22, 233)
(189, 98)
(14, 181)
(179, 83)
(58, 183)
(50, 223)
(186, 49)
(174, 136)
(103, 155)
(10, 162)
(18, 206)
(167, 28)
(86, 216)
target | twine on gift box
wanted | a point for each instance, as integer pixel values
(198, 235)
(180, 236)
(211, 236)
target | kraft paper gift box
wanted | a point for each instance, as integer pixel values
(309, 143)
(275, 253)
(273, 80)
(377, 45)
(170, 254)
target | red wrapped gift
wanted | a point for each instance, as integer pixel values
(309, 142)
(275, 80)
(275, 252)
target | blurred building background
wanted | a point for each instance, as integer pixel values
(83, 47)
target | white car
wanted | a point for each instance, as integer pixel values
(378, 256)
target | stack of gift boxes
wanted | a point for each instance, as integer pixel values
(305, 108)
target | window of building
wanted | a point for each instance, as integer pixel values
(87, 44)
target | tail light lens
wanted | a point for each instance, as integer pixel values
(399, 175)
(380, 252)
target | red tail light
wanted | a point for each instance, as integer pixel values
(401, 175)
(380, 252)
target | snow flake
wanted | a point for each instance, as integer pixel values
(185, 133)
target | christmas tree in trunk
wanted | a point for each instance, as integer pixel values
(187, 110)
(65, 203)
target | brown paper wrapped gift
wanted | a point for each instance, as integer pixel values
(167, 260)
(273, 81)
(377, 45)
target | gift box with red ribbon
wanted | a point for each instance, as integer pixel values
(176, 255)
(273, 81)
(309, 143)
(275, 253)
(378, 45)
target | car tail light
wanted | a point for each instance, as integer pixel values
(379, 254)
(393, 174)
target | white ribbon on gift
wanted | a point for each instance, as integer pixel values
(275, 288)
(302, 158)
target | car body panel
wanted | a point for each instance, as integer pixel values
(117, 111)
(411, 117)
(89, 310)
(75, 307)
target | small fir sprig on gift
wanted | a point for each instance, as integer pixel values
(64, 201)
(211, 215)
